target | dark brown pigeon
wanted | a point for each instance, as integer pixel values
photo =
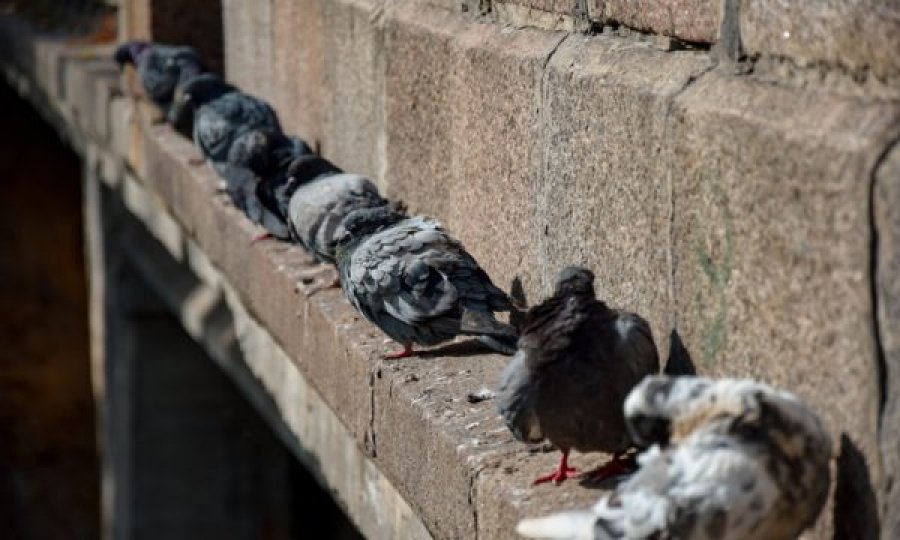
(577, 360)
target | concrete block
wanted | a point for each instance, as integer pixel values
(247, 44)
(771, 247)
(462, 131)
(861, 36)
(354, 74)
(603, 194)
(886, 203)
(298, 63)
(690, 20)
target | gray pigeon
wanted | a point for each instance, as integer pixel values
(322, 198)
(576, 363)
(728, 459)
(417, 283)
(267, 156)
(224, 117)
(161, 68)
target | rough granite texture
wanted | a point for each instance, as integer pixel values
(772, 243)
(300, 93)
(603, 194)
(690, 20)
(861, 36)
(887, 224)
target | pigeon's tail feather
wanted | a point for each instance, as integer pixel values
(503, 345)
(475, 322)
(562, 526)
(679, 361)
(499, 336)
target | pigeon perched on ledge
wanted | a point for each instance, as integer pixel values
(417, 283)
(323, 196)
(232, 130)
(160, 69)
(266, 156)
(576, 363)
(728, 459)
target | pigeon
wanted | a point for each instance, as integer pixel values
(323, 196)
(726, 458)
(160, 69)
(266, 155)
(577, 360)
(417, 283)
(226, 123)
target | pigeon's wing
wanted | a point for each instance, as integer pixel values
(635, 354)
(709, 488)
(516, 399)
(394, 276)
(318, 207)
(348, 192)
(224, 120)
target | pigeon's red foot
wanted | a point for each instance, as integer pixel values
(561, 473)
(619, 464)
(406, 352)
(261, 237)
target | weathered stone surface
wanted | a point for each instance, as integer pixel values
(354, 67)
(603, 194)
(566, 15)
(247, 45)
(862, 36)
(690, 20)
(299, 89)
(886, 201)
(771, 246)
(446, 157)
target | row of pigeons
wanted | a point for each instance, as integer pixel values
(704, 458)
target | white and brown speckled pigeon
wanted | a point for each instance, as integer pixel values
(577, 360)
(727, 459)
(160, 69)
(417, 283)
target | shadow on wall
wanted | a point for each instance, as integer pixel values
(855, 506)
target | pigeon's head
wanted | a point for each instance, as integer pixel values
(362, 223)
(194, 92)
(648, 411)
(309, 167)
(127, 52)
(575, 280)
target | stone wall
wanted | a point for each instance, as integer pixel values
(721, 181)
